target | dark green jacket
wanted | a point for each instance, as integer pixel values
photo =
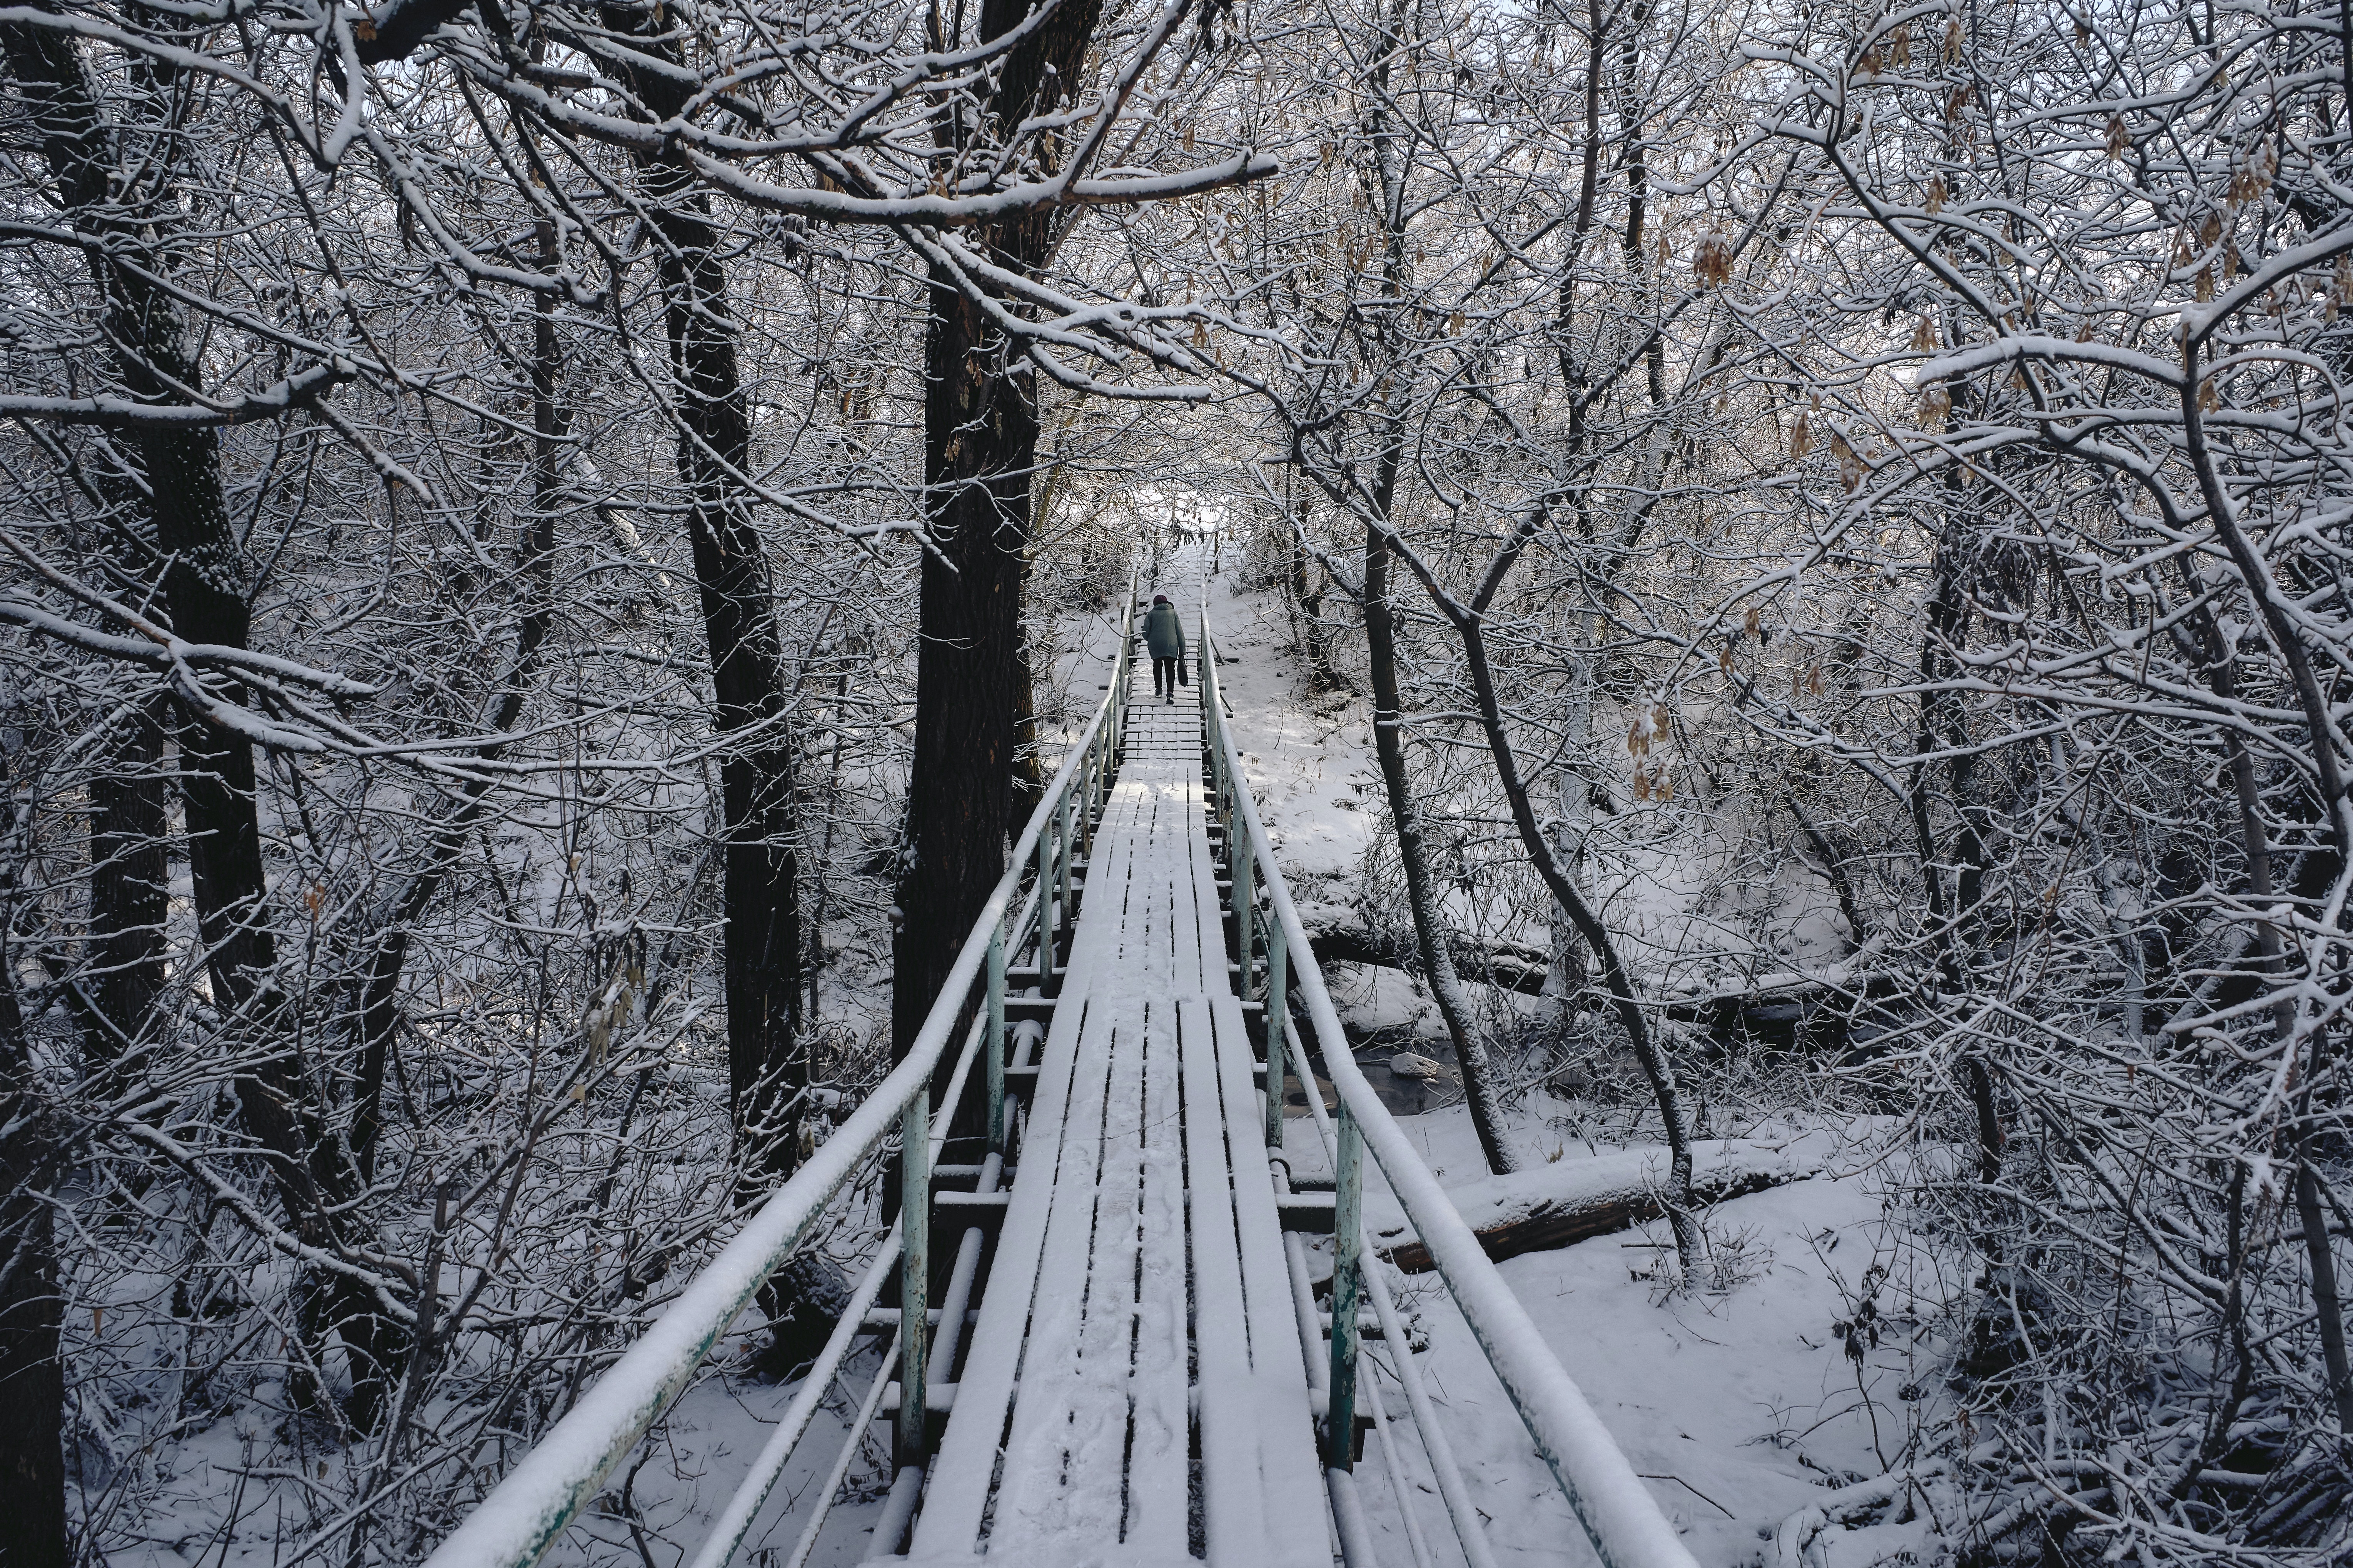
(1163, 633)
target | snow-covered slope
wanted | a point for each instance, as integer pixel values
(1737, 1399)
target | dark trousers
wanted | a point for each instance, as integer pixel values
(1164, 676)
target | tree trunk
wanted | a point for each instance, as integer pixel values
(1947, 615)
(32, 1378)
(128, 877)
(1588, 623)
(1650, 1049)
(1029, 779)
(980, 442)
(2208, 646)
(1430, 937)
(757, 804)
(204, 595)
(979, 430)
(1315, 639)
(816, 964)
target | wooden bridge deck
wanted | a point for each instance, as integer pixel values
(1134, 1391)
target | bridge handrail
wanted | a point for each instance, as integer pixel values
(538, 1499)
(1618, 1514)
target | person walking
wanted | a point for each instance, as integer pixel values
(1164, 635)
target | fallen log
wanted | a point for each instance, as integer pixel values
(1506, 968)
(1775, 1005)
(1574, 1200)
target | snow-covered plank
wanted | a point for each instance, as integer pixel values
(1156, 728)
(1208, 932)
(1169, 959)
(1160, 1468)
(1282, 1421)
(1102, 1405)
(1275, 1350)
(963, 1472)
(1064, 1458)
(1234, 1500)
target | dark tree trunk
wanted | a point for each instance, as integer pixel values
(1314, 637)
(2208, 647)
(1833, 866)
(815, 967)
(204, 594)
(128, 877)
(32, 1379)
(1029, 778)
(980, 442)
(762, 955)
(980, 428)
(1431, 935)
(1941, 723)
(1650, 1048)
(761, 897)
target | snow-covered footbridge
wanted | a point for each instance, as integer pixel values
(1113, 1342)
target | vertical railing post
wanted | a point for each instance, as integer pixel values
(1046, 921)
(1212, 737)
(1245, 900)
(1348, 1235)
(1126, 658)
(1068, 817)
(1215, 732)
(994, 1045)
(1226, 797)
(1094, 780)
(1278, 1005)
(915, 1270)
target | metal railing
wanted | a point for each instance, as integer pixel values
(526, 1512)
(1617, 1510)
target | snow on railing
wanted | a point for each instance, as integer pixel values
(1617, 1512)
(539, 1498)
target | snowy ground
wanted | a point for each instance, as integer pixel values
(1736, 1400)
(1308, 756)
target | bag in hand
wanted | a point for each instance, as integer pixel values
(1180, 674)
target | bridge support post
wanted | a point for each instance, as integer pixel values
(1217, 767)
(1046, 920)
(994, 1045)
(915, 1273)
(1245, 911)
(1116, 720)
(1277, 1016)
(1091, 781)
(1069, 816)
(1348, 1235)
